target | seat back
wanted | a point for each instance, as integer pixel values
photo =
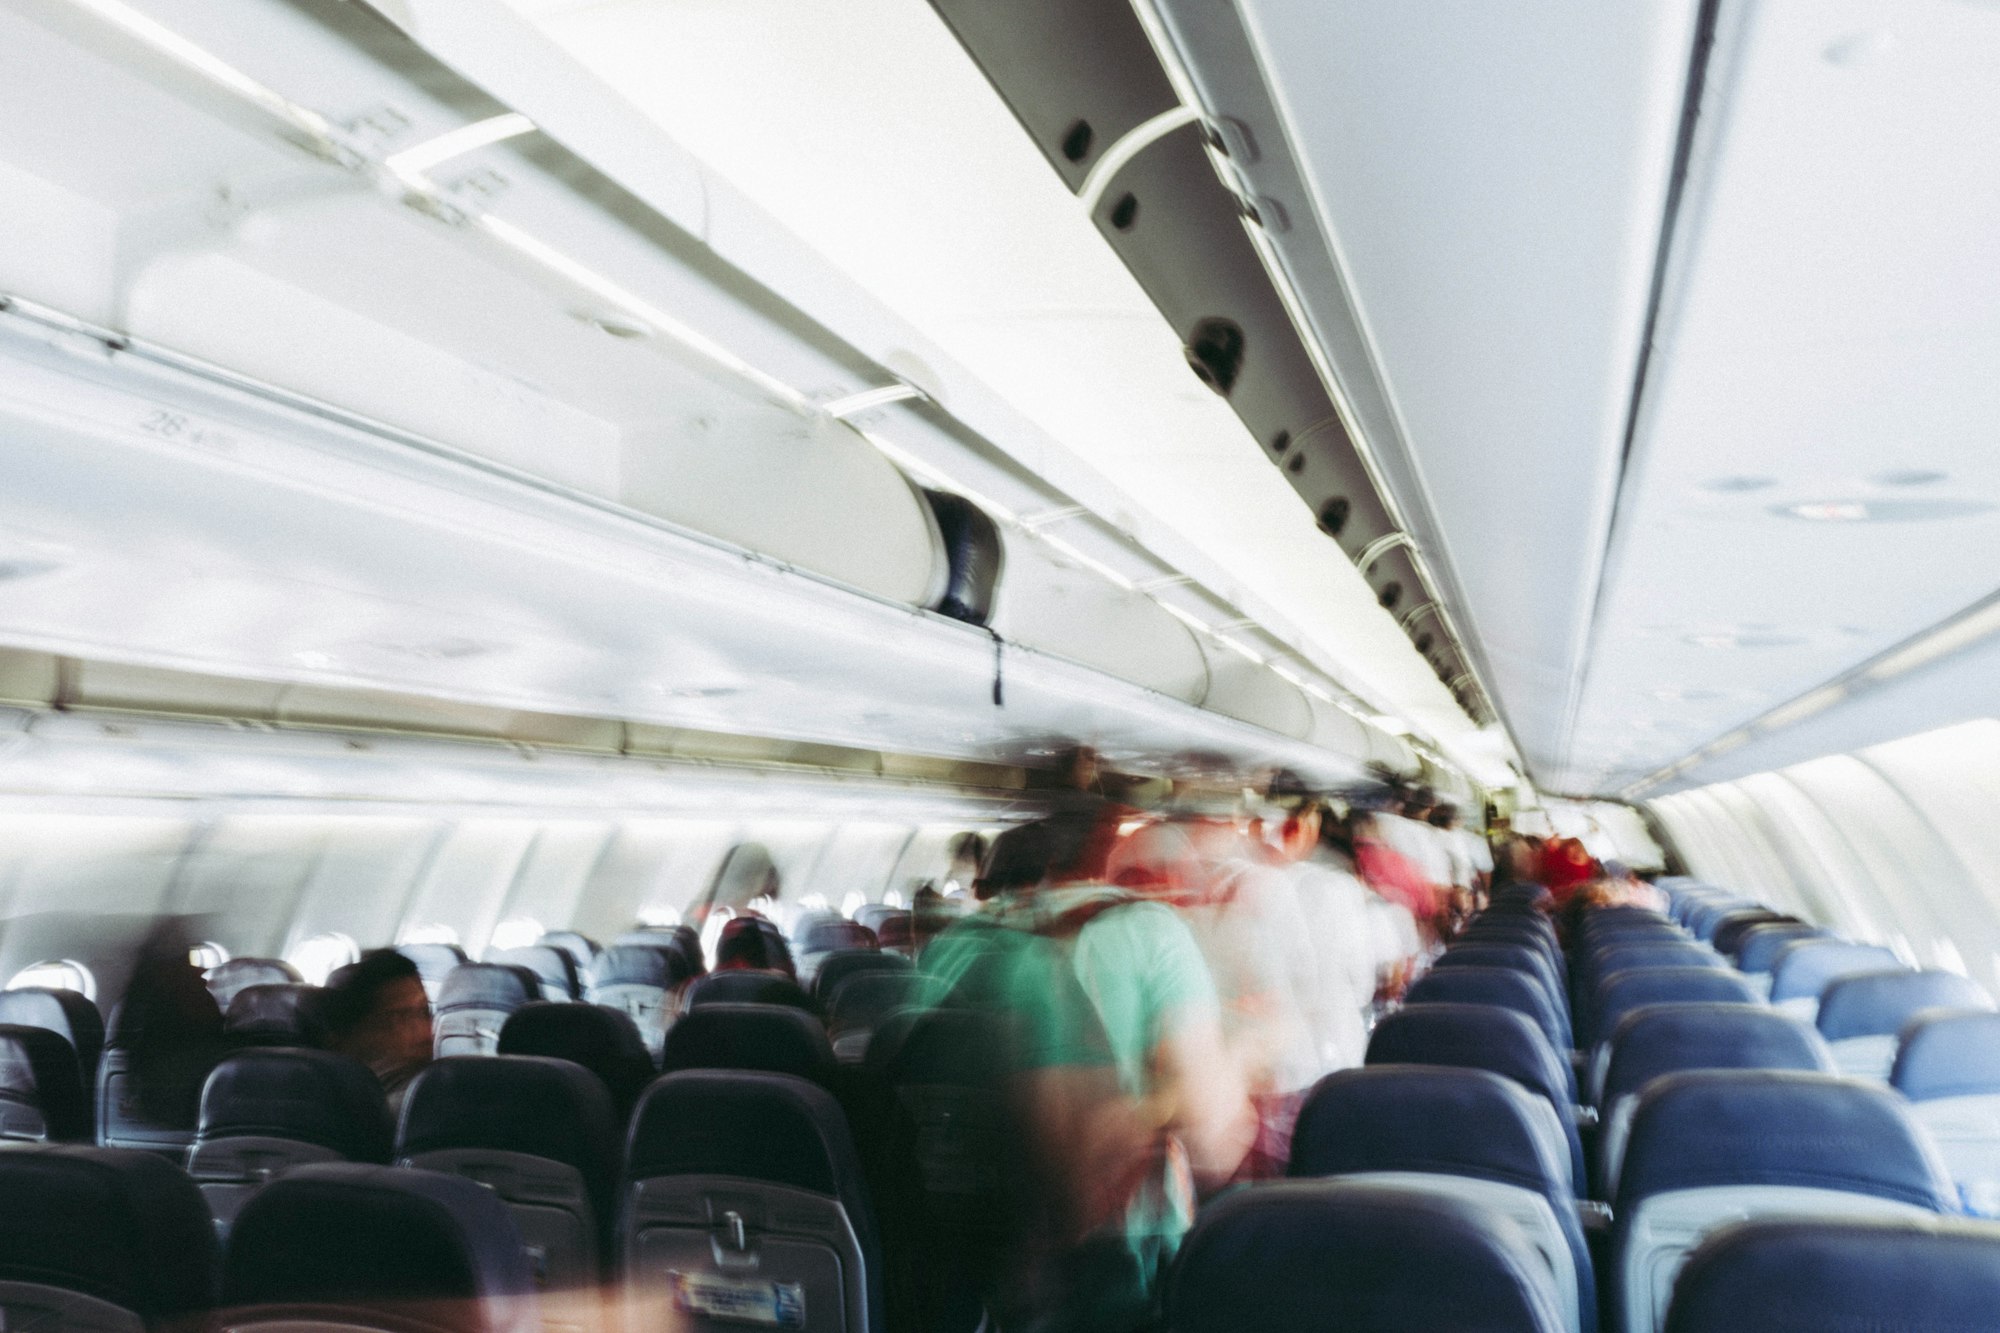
(1916, 1275)
(268, 1110)
(775, 1038)
(474, 1002)
(1307, 1255)
(582, 949)
(541, 1134)
(1477, 1036)
(348, 1246)
(123, 1120)
(839, 966)
(860, 1003)
(1860, 1016)
(601, 1039)
(744, 1199)
(1498, 951)
(1730, 930)
(1503, 986)
(68, 1014)
(434, 963)
(743, 985)
(1713, 1147)
(1758, 947)
(1948, 1066)
(1385, 1123)
(232, 975)
(1662, 1039)
(101, 1240)
(41, 1092)
(276, 1014)
(638, 980)
(554, 969)
(1622, 992)
(1804, 969)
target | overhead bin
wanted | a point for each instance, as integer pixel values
(1250, 692)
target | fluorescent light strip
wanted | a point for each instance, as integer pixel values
(166, 42)
(1240, 648)
(899, 392)
(1096, 566)
(410, 164)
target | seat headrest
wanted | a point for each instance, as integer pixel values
(1804, 1276)
(1804, 968)
(866, 998)
(746, 1124)
(487, 986)
(582, 949)
(527, 1104)
(1472, 1036)
(1619, 993)
(1416, 1118)
(308, 1096)
(125, 1227)
(1948, 1055)
(1713, 1127)
(1625, 956)
(226, 978)
(66, 1013)
(742, 985)
(640, 965)
(375, 1237)
(1490, 952)
(286, 1009)
(1875, 1004)
(434, 961)
(1732, 926)
(38, 1067)
(552, 965)
(1490, 985)
(605, 1041)
(833, 934)
(772, 1037)
(1758, 947)
(1659, 1039)
(837, 967)
(1351, 1255)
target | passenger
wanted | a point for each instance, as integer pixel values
(1470, 859)
(1387, 871)
(1333, 906)
(1622, 887)
(1566, 868)
(1133, 1100)
(376, 1011)
(1387, 955)
(1405, 825)
(746, 942)
(172, 1026)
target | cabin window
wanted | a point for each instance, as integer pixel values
(893, 898)
(659, 918)
(516, 932)
(852, 903)
(208, 955)
(316, 958)
(57, 974)
(435, 933)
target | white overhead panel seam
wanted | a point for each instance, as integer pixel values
(1437, 573)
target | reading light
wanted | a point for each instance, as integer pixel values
(1828, 511)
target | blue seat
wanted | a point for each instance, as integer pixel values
(1928, 1276)
(582, 949)
(736, 1178)
(434, 962)
(1804, 969)
(539, 1133)
(838, 967)
(41, 1090)
(638, 980)
(1408, 1124)
(1711, 1147)
(91, 1238)
(1478, 1036)
(1593, 967)
(1305, 1256)
(1619, 993)
(1758, 947)
(226, 978)
(1730, 930)
(269, 1110)
(1671, 1038)
(1521, 956)
(474, 1002)
(775, 1038)
(353, 1246)
(601, 1039)
(276, 1014)
(1860, 1016)
(66, 1013)
(859, 1004)
(554, 969)
(744, 985)
(1503, 986)
(1948, 1066)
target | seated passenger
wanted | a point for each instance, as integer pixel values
(173, 1028)
(376, 1011)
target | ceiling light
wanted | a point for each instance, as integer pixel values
(1828, 511)
(1882, 511)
